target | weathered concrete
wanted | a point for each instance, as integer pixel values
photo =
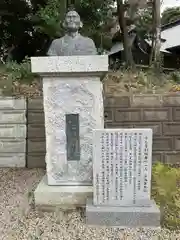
(12, 160)
(123, 217)
(64, 197)
(12, 145)
(12, 132)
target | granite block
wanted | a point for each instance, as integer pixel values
(63, 197)
(65, 65)
(123, 217)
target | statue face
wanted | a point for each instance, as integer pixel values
(72, 21)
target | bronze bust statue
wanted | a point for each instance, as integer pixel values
(73, 43)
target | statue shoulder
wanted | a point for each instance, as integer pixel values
(54, 47)
(89, 45)
(57, 41)
(87, 39)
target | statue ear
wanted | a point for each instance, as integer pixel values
(81, 25)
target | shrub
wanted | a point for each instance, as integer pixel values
(20, 72)
(166, 192)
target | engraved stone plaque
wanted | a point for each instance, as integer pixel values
(122, 160)
(72, 137)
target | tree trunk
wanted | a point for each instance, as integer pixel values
(124, 31)
(157, 48)
(153, 36)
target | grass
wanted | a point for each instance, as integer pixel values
(17, 80)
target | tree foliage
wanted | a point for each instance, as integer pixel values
(144, 22)
(30, 27)
(170, 15)
(93, 14)
(17, 31)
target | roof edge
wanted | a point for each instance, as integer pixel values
(171, 24)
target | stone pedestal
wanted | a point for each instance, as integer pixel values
(64, 197)
(73, 107)
(122, 160)
(123, 216)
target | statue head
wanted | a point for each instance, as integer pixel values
(72, 21)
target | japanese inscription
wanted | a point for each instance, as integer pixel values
(122, 166)
(72, 137)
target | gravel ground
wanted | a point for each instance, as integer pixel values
(19, 221)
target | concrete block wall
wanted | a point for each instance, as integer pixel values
(22, 143)
(36, 145)
(159, 112)
(12, 132)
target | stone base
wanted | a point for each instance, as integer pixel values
(62, 197)
(123, 217)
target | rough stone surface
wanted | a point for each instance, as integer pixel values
(66, 197)
(78, 96)
(123, 217)
(80, 92)
(122, 160)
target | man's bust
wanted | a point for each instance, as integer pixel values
(73, 43)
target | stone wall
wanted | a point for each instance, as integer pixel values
(36, 146)
(159, 112)
(12, 132)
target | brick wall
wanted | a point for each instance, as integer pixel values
(159, 112)
(12, 132)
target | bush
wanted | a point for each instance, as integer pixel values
(20, 72)
(166, 192)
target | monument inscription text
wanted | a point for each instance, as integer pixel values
(122, 166)
(72, 137)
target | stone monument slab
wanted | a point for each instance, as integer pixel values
(122, 166)
(122, 162)
(73, 107)
(72, 137)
